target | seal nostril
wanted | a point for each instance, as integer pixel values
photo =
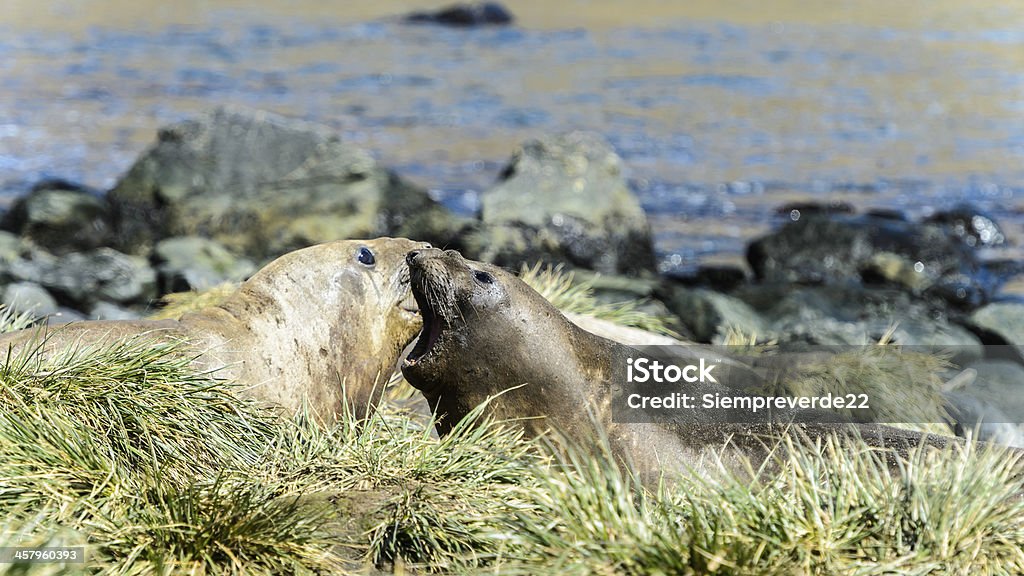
(410, 258)
(428, 245)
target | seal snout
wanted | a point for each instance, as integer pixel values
(415, 253)
(419, 256)
(432, 287)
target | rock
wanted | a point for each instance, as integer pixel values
(940, 337)
(109, 311)
(1002, 383)
(29, 297)
(970, 225)
(895, 269)
(970, 291)
(982, 420)
(81, 279)
(922, 258)
(718, 277)
(564, 199)
(888, 214)
(999, 323)
(626, 335)
(194, 263)
(721, 277)
(10, 247)
(710, 316)
(991, 393)
(934, 259)
(262, 185)
(65, 316)
(614, 288)
(61, 217)
(465, 15)
(797, 210)
(835, 248)
(854, 315)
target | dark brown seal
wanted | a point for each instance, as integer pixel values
(316, 327)
(485, 333)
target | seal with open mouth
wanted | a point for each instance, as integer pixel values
(318, 326)
(487, 335)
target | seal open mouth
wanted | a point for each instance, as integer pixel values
(429, 336)
(431, 287)
(432, 323)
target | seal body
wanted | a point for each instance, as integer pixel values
(487, 336)
(317, 327)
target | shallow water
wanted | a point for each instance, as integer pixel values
(721, 110)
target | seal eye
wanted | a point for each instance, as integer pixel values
(483, 277)
(365, 256)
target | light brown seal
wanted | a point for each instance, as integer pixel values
(307, 326)
(485, 333)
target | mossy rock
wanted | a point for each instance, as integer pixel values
(61, 217)
(564, 199)
(262, 185)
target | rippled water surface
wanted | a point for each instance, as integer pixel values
(721, 110)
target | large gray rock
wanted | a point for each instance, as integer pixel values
(262, 185)
(564, 199)
(990, 396)
(1001, 382)
(60, 217)
(922, 258)
(109, 311)
(29, 297)
(194, 263)
(81, 279)
(853, 315)
(711, 315)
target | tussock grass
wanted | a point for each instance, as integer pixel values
(903, 385)
(748, 345)
(132, 407)
(227, 525)
(159, 470)
(830, 511)
(559, 287)
(435, 502)
(11, 321)
(174, 306)
(163, 471)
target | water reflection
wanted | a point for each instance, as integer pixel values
(721, 113)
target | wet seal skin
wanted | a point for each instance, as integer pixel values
(485, 333)
(315, 325)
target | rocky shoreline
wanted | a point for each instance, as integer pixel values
(219, 195)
